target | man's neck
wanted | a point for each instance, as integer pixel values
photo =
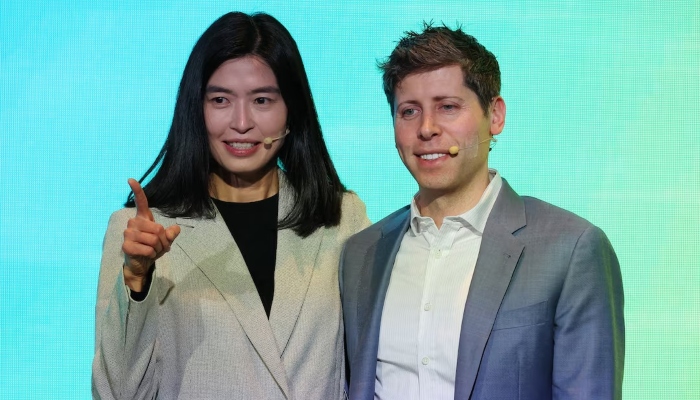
(438, 204)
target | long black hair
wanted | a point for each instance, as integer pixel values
(180, 185)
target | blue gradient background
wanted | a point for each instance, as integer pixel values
(603, 119)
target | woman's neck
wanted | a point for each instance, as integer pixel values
(243, 189)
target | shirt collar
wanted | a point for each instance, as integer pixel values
(475, 217)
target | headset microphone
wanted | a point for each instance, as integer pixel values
(268, 140)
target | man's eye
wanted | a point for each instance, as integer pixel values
(219, 100)
(262, 100)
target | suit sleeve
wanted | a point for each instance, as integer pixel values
(124, 365)
(356, 215)
(589, 332)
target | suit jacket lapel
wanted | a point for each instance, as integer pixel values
(498, 256)
(296, 258)
(378, 264)
(211, 247)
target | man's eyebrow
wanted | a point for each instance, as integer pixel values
(439, 98)
(435, 98)
(409, 102)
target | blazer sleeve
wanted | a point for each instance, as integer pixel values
(589, 331)
(124, 365)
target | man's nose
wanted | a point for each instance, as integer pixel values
(428, 126)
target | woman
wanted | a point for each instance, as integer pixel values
(227, 286)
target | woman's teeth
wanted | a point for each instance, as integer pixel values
(241, 145)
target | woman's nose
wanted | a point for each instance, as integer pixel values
(241, 120)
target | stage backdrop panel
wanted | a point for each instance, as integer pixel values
(603, 119)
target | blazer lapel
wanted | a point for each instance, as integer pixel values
(294, 266)
(498, 256)
(376, 274)
(296, 259)
(211, 247)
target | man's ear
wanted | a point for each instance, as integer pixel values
(497, 113)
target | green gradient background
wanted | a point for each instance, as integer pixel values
(603, 119)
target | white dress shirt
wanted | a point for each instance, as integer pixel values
(424, 304)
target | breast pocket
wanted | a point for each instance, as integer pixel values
(524, 316)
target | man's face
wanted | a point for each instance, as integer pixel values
(434, 111)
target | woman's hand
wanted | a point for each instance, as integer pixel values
(144, 241)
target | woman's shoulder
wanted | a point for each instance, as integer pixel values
(351, 201)
(353, 212)
(122, 215)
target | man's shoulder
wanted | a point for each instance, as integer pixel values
(374, 231)
(541, 214)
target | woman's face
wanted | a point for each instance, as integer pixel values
(243, 106)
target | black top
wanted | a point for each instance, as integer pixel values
(254, 229)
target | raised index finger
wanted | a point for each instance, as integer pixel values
(141, 201)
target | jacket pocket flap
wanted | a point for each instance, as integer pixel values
(524, 316)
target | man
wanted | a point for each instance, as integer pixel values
(471, 291)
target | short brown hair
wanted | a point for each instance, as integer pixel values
(437, 47)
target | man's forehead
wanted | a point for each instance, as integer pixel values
(424, 73)
(439, 83)
(444, 76)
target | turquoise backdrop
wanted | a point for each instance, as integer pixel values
(603, 119)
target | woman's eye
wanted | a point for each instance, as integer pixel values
(448, 107)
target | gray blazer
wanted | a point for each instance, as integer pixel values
(543, 318)
(202, 332)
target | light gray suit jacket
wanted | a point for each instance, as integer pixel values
(202, 332)
(544, 314)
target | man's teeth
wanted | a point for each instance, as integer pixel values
(431, 156)
(241, 145)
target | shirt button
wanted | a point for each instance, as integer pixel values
(437, 253)
(425, 360)
(427, 306)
